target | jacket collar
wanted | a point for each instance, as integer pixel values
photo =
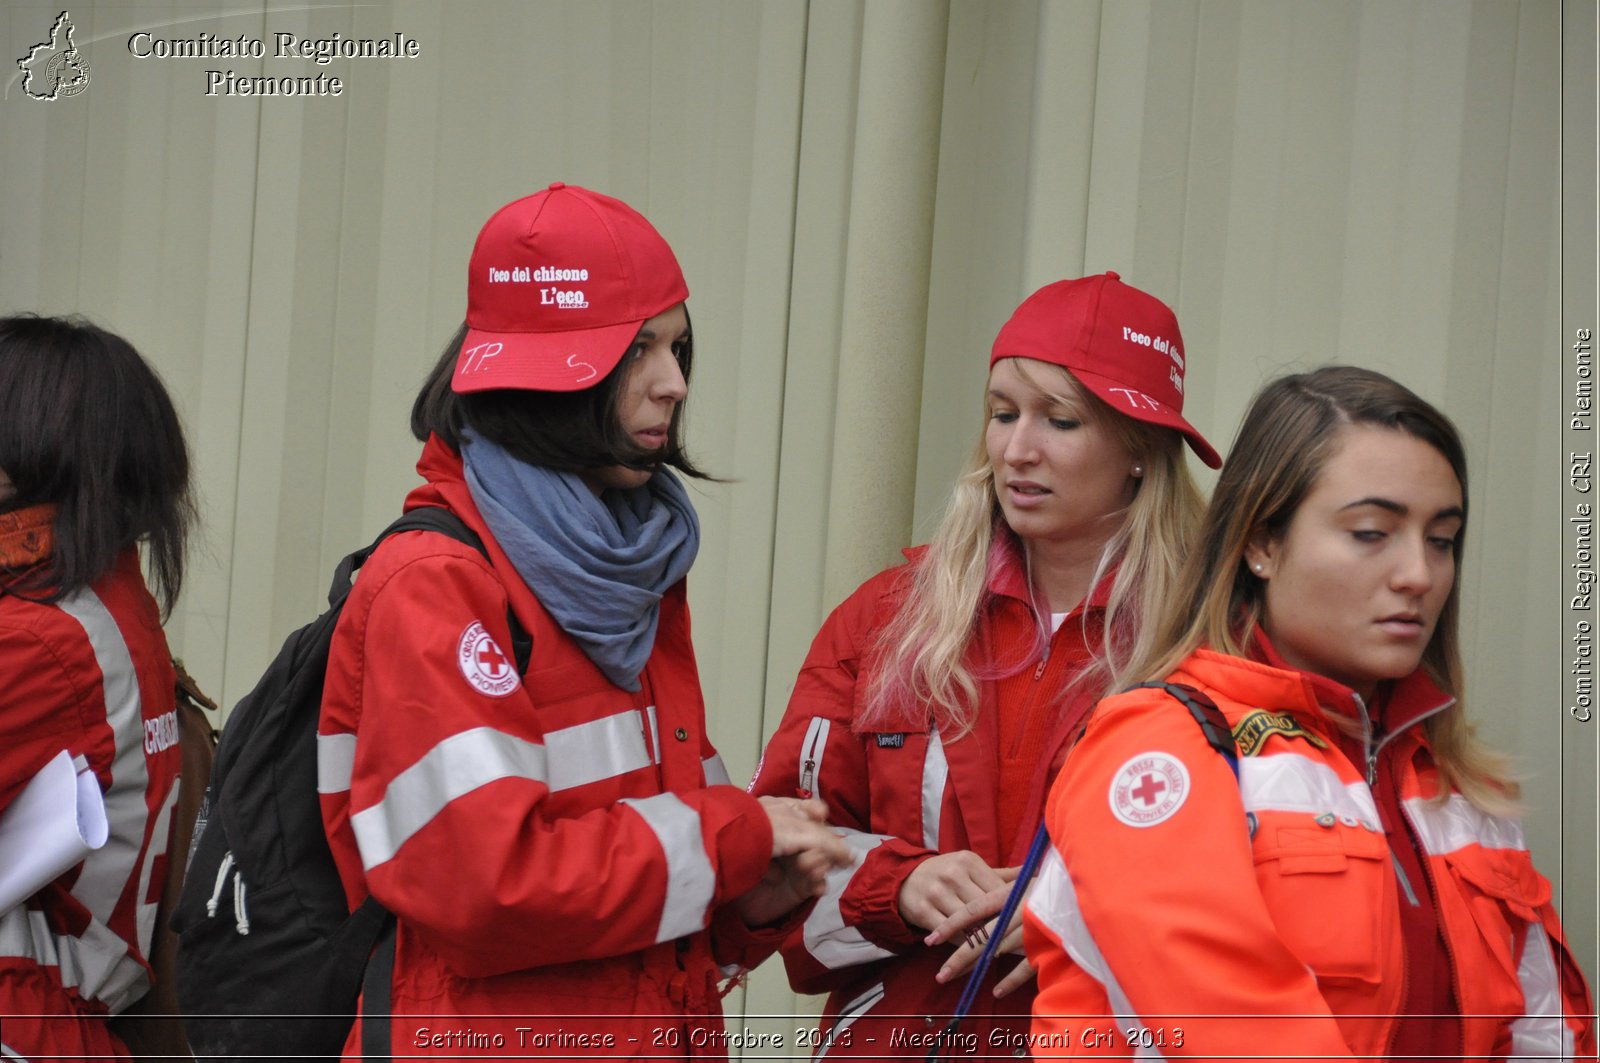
(1397, 704)
(1008, 573)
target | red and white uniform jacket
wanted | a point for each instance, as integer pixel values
(91, 675)
(906, 793)
(1182, 913)
(554, 847)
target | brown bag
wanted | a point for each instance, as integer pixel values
(152, 1028)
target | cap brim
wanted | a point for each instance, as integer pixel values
(1151, 411)
(541, 361)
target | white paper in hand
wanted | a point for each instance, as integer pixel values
(58, 819)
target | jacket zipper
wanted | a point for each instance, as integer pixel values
(808, 772)
(1033, 698)
(1372, 752)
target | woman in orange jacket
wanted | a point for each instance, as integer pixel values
(1359, 886)
(939, 699)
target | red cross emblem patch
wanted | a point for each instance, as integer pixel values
(483, 664)
(1148, 789)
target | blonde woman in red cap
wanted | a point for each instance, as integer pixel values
(940, 699)
(570, 871)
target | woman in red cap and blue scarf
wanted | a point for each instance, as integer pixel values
(570, 871)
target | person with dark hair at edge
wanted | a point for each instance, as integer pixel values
(1355, 884)
(571, 872)
(940, 698)
(92, 465)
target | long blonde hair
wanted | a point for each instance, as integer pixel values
(1286, 439)
(922, 656)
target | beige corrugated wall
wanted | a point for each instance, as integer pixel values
(859, 193)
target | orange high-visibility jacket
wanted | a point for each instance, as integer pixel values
(1196, 915)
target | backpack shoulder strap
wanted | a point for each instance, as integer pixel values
(440, 520)
(1218, 735)
(1205, 712)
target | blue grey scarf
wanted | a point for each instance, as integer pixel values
(599, 564)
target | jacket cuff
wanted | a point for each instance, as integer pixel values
(734, 943)
(743, 841)
(871, 903)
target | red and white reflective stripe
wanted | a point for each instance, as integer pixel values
(145, 918)
(935, 772)
(849, 1014)
(1054, 903)
(691, 880)
(455, 767)
(336, 761)
(96, 963)
(715, 772)
(1455, 823)
(600, 749)
(1541, 1032)
(830, 942)
(1289, 782)
(106, 871)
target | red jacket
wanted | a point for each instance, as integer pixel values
(903, 795)
(89, 674)
(1205, 916)
(554, 847)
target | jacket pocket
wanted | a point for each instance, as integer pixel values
(1331, 894)
(1503, 892)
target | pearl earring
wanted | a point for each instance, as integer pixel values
(1258, 566)
(1138, 470)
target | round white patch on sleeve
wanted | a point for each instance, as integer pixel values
(1149, 789)
(485, 667)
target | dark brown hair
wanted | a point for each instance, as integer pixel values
(86, 426)
(572, 431)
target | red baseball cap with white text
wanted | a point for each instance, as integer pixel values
(1119, 342)
(558, 285)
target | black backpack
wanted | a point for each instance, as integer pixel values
(270, 959)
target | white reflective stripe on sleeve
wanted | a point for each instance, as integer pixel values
(336, 761)
(8, 1053)
(1540, 1032)
(1054, 902)
(847, 1015)
(812, 751)
(96, 962)
(830, 942)
(105, 871)
(599, 749)
(1457, 823)
(935, 771)
(691, 880)
(455, 767)
(1289, 782)
(715, 771)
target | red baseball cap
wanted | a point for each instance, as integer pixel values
(558, 285)
(1119, 342)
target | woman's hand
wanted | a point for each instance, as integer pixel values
(804, 850)
(972, 916)
(946, 886)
